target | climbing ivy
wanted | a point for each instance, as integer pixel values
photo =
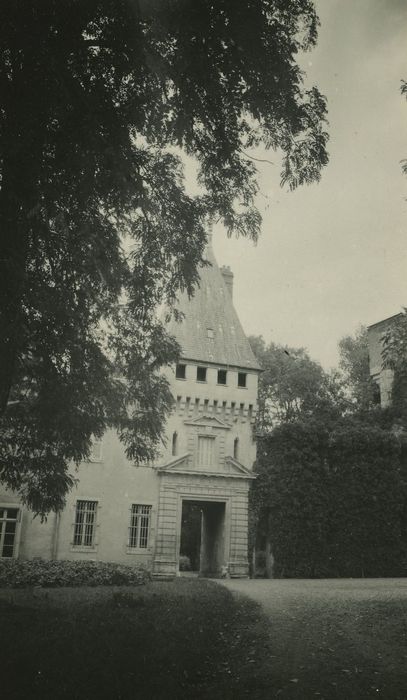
(330, 499)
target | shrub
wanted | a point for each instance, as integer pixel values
(184, 563)
(15, 573)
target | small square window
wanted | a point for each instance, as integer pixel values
(180, 371)
(201, 374)
(210, 332)
(241, 379)
(222, 376)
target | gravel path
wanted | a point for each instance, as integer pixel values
(278, 593)
(333, 638)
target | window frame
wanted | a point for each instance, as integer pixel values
(207, 438)
(184, 372)
(134, 531)
(17, 532)
(225, 372)
(96, 458)
(239, 375)
(81, 547)
(205, 370)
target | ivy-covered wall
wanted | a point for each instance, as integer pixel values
(330, 501)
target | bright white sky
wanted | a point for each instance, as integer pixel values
(333, 255)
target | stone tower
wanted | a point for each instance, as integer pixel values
(210, 444)
(129, 514)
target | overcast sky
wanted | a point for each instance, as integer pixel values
(333, 255)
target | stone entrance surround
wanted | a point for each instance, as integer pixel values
(230, 490)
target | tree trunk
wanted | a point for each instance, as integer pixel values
(16, 195)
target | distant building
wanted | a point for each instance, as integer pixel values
(123, 513)
(383, 377)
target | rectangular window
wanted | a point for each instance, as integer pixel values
(140, 518)
(201, 374)
(96, 450)
(85, 524)
(222, 376)
(241, 379)
(180, 371)
(8, 531)
(206, 451)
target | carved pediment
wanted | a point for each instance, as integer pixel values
(175, 463)
(184, 464)
(237, 468)
(207, 421)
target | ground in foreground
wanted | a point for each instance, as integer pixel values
(195, 639)
(161, 640)
(329, 639)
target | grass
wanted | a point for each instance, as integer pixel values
(194, 639)
(161, 640)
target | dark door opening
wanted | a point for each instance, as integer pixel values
(202, 537)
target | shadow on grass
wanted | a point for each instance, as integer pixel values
(162, 640)
(194, 639)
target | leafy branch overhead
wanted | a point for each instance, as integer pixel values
(99, 101)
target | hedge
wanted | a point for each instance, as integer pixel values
(332, 500)
(16, 573)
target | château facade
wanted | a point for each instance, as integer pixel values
(125, 513)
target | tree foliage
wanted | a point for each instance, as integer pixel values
(292, 385)
(330, 495)
(99, 98)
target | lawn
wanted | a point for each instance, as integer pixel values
(161, 640)
(192, 638)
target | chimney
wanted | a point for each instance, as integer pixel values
(227, 275)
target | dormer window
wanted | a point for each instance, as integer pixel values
(201, 374)
(210, 332)
(241, 379)
(222, 376)
(180, 371)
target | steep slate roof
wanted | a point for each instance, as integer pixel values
(211, 307)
